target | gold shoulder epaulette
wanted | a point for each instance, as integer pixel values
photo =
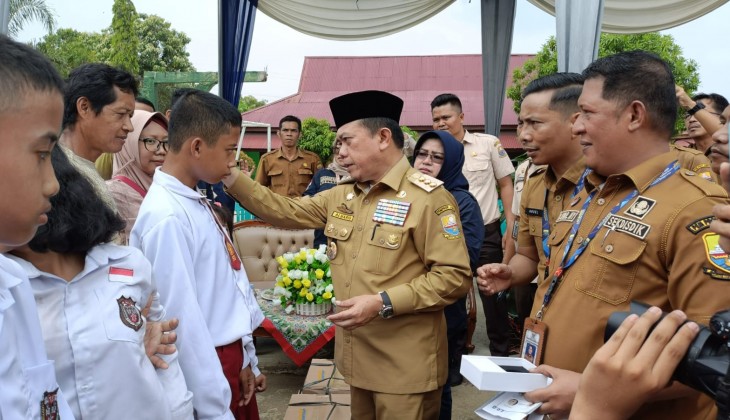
(425, 182)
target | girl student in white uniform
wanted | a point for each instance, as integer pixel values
(90, 294)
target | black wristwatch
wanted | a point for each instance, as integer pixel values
(386, 311)
(698, 105)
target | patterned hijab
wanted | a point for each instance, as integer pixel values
(126, 161)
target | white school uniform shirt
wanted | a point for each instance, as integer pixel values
(177, 232)
(27, 378)
(93, 328)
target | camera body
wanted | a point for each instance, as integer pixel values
(706, 363)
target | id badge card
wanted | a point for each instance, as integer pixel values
(533, 340)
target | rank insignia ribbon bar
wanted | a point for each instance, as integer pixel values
(392, 212)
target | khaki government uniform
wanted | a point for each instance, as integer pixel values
(524, 171)
(659, 253)
(559, 192)
(285, 177)
(423, 266)
(695, 161)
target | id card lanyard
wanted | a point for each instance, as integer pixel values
(546, 222)
(567, 261)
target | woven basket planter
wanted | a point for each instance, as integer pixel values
(313, 309)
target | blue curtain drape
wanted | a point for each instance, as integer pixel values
(236, 20)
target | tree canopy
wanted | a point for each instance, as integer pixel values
(160, 48)
(124, 42)
(317, 137)
(248, 102)
(26, 11)
(546, 61)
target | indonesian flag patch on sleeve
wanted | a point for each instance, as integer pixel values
(121, 275)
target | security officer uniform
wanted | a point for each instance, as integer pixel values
(655, 249)
(288, 177)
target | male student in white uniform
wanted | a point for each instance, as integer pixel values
(199, 275)
(31, 109)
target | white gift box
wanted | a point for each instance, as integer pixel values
(509, 374)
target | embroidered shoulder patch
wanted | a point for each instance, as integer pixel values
(49, 405)
(439, 211)
(717, 257)
(450, 226)
(129, 313)
(700, 224)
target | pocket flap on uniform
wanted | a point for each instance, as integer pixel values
(304, 171)
(619, 248)
(274, 172)
(386, 238)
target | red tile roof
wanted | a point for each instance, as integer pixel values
(416, 79)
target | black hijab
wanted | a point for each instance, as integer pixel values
(450, 173)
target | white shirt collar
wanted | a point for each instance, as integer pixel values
(174, 185)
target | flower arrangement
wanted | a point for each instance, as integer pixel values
(304, 278)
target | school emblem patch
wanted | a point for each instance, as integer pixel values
(451, 228)
(717, 257)
(641, 207)
(129, 313)
(49, 406)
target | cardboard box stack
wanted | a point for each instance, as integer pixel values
(325, 394)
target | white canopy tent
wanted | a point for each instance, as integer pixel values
(578, 27)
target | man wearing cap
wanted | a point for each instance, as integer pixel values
(289, 169)
(397, 258)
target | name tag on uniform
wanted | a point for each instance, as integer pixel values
(533, 212)
(631, 227)
(567, 216)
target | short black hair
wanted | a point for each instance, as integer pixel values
(566, 88)
(23, 69)
(376, 123)
(96, 82)
(291, 118)
(446, 99)
(143, 100)
(717, 101)
(200, 114)
(179, 93)
(639, 76)
(79, 219)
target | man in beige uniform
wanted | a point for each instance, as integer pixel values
(396, 250)
(289, 169)
(641, 232)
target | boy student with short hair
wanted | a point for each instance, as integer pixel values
(200, 276)
(31, 110)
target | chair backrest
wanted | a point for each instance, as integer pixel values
(259, 244)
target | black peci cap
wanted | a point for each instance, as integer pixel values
(365, 104)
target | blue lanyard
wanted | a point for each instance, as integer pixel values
(567, 261)
(546, 222)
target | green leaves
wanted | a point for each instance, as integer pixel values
(317, 137)
(546, 61)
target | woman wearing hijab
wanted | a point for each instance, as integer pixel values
(323, 180)
(134, 165)
(90, 294)
(440, 155)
